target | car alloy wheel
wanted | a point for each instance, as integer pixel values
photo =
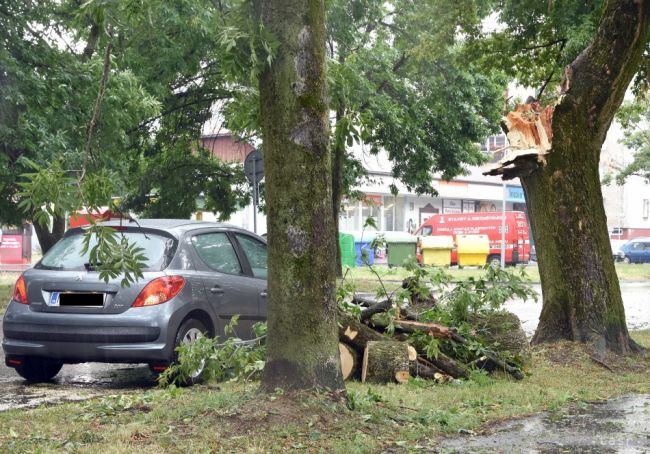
(188, 333)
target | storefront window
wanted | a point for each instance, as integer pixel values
(389, 213)
(370, 209)
(348, 219)
(469, 206)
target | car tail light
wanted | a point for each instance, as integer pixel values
(20, 291)
(159, 291)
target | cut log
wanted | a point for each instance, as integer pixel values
(349, 361)
(419, 369)
(376, 308)
(385, 362)
(491, 363)
(449, 366)
(356, 334)
(432, 329)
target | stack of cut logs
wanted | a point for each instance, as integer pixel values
(386, 359)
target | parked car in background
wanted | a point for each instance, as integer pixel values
(634, 251)
(197, 276)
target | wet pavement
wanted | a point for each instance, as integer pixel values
(74, 382)
(635, 300)
(616, 426)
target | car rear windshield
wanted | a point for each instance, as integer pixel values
(66, 254)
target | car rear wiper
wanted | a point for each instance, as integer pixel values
(91, 266)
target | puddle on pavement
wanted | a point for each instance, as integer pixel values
(616, 426)
(74, 383)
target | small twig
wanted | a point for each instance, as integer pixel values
(550, 76)
(601, 363)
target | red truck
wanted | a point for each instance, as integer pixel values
(484, 223)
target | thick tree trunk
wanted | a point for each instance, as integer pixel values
(48, 237)
(302, 331)
(582, 298)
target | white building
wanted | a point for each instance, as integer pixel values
(405, 211)
(627, 206)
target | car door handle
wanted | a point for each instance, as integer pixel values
(264, 294)
(216, 290)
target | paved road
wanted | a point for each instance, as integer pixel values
(74, 382)
(635, 299)
(83, 381)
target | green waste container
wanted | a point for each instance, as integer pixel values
(399, 246)
(348, 253)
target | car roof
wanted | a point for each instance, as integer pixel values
(174, 227)
(645, 238)
(163, 224)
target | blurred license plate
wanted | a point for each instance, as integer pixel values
(77, 299)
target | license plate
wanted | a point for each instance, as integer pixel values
(54, 299)
(76, 299)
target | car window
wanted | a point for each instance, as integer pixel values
(426, 230)
(216, 251)
(67, 253)
(637, 246)
(255, 253)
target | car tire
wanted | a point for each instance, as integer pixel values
(187, 333)
(37, 370)
(627, 260)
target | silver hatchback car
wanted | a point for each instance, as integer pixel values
(198, 275)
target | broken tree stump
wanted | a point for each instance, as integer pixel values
(385, 362)
(349, 361)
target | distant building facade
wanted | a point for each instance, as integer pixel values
(627, 206)
(405, 211)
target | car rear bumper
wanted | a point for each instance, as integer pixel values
(88, 352)
(134, 336)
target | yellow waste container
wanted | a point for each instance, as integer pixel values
(436, 250)
(472, 249)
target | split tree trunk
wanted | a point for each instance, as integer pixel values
(582, 298)
(302, 349)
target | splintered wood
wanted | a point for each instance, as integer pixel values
(530, 136)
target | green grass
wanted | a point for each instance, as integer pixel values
(7, 281)
(392, 276)
(235, 418)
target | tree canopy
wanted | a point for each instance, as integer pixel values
(117, 93)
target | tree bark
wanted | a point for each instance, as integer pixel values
(48, 237)
(302, 349)
(582, 298)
